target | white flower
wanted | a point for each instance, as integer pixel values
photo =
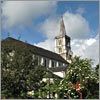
(72, 93)
(75, 96)
(86, 77)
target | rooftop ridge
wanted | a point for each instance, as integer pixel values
(30, 44)
(39, 48)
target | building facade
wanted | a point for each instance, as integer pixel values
(62, 43)
(57, 61)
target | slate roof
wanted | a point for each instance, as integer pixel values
(37, 50)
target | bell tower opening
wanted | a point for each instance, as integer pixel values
(62, 43)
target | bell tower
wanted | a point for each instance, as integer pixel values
(62, 43)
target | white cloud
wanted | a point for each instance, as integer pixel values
(22, 12)
(92, 52)
(76, 26)
(80, 10)
(87, 48)
(47, 44)
(50, 28)
(90, 41)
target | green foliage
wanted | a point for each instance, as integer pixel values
(97, 70)
(20, 73)
(81, 70)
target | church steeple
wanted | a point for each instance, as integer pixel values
(62, 27)
(62, 43)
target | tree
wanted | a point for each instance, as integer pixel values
(52, 84)
(19, 72)
(80, 80)
(97, 70)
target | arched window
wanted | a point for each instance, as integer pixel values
(60, 50)
(59, 42)
(45, 62)
(52, 63)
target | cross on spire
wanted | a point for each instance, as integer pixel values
(8, 34)
(19, 36)
(62, 27)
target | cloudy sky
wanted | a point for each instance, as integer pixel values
(37, 22)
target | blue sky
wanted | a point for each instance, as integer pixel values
(90, 14)
(38, 23)
(91, 10)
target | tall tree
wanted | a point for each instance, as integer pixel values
(19, 72)
(80, 80)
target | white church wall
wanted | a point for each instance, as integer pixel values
(41, 60)
(55, 45)
(47, 79)
(60, 74)
(57, 64)
(64, 41)
(63, 64)
(47, 61)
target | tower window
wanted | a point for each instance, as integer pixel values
(59, 42)
(60, 50)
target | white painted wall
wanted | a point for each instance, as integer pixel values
(60, 74)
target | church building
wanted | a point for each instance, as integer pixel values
(57, 61)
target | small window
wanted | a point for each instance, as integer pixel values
(35, 60)
(63, 64)
(45, 62)
(39, 60)
(59, 42)
(60, 50)
(52, 63)
(59, 64)
(55, 64)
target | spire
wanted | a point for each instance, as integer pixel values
(62, 27)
